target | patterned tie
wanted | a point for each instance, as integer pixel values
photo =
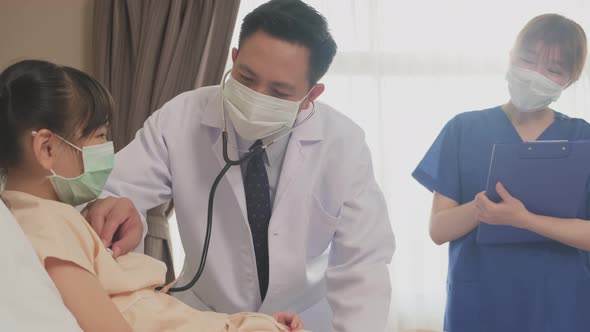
(258, 205)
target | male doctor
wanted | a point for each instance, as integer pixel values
(302, 226)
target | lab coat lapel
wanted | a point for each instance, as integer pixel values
(302, 140)
(299, 151)
(294, 158)
(212, 118)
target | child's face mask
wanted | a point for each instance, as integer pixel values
(98, 164)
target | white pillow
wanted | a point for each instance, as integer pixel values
(29, 301)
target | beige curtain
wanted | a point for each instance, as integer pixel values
(148, 51)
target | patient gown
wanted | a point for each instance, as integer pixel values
(58, 230)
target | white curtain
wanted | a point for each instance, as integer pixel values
(403, 69)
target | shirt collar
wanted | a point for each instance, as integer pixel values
(273, 153)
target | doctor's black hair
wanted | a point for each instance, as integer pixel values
(38, 95)
(298, 23)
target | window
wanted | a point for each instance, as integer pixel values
(403, 69)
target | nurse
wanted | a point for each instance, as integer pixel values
(512, 287)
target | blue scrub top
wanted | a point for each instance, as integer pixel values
(534, 287)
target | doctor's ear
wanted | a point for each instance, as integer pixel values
(315, 92)
(511, 55)
(234, 54)
(43, 148)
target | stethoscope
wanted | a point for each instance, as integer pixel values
(228, 164)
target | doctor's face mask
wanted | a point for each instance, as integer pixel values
(276, 70)
(255, 115)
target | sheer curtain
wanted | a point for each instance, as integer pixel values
(403, 69)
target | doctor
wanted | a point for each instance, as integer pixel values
(302, 226)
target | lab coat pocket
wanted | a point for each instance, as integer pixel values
(321, 229)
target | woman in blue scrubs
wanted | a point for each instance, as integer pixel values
(524, 287)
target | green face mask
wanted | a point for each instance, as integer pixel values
(98, 164)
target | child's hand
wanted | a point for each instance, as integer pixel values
(289, 319)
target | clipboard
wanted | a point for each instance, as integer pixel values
(549, 177)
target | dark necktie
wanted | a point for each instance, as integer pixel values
(259, 211)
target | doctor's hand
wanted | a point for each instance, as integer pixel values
(117, 223)
(510, 211)
(289, 319)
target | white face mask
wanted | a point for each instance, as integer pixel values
(255, 115)
(531, 91)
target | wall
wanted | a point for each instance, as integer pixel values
(55, 30)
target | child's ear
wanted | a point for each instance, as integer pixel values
(44, 148)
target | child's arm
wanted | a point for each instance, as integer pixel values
(84, 296)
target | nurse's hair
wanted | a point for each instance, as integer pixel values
(556, 30)
(38, 95)
(298, 23)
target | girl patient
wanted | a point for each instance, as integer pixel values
(54, 154)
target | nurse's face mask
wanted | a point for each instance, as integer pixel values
(98, 161)
(530, 91)
(535, 79)
(255, 115)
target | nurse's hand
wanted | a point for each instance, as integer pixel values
(117, 223)
(510, 211)
(289, 319)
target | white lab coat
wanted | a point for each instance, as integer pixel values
(330, 239)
